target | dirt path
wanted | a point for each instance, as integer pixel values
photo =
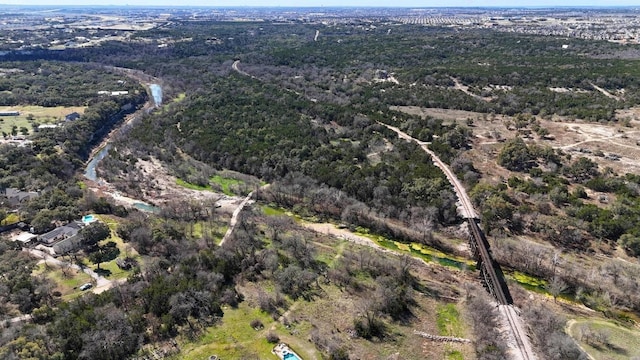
(465, 207)
(570, 324)
(14, 320)
(234, 217)
(330, 229)
(102, 283)
(465, 89)
(236, 67)
(605, 92)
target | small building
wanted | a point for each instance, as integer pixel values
(47, 126)
(25, 238)
(9, 113)
(72, 117)
(17, 197)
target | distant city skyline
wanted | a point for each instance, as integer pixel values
(327, 3)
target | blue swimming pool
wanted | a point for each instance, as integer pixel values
(290, 356)
(88, 219)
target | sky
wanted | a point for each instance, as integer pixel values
(328, 3)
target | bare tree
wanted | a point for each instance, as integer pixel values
(556, 287)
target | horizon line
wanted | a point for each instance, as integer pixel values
(540, 7)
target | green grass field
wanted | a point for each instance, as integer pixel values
(233, 338)
(191, 186)
(222, 183)
(624, 343)
(41, 115)
(65, 284)
(424, 252)
(225, 183)
(125, 250)
(448, 321)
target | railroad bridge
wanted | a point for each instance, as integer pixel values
(490, 271)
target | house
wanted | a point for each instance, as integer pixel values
(72, 117)
(17, 197)
(64, 238)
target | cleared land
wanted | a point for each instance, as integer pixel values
(621, 342)
(66, 280)
(38, 114)
(614, 145)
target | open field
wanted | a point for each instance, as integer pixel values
(234, 338)
(622, 343)
(614, 145)
(66, 281)
(41, 115)
(109, 268)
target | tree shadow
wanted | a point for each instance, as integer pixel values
(103, 272)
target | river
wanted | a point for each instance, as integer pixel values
(156, 93)
(90, 170)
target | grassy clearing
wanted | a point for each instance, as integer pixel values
(177, 99)
(448, 320)
(529, 282)
(624, 343)
(233, 337)
(191, 186)
(214, 231)
(41, 115)
(273, 211)
(111, 267)
(225, 183)
(65, 284)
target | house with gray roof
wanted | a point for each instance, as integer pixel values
(64, 238)
(17, 196)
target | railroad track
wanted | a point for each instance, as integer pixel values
(492, 274)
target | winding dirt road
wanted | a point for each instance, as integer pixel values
(234, 217)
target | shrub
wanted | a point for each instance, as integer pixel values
(256, 324)
(272, 337)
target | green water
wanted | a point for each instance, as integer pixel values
(426, 253)
(146, 207)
